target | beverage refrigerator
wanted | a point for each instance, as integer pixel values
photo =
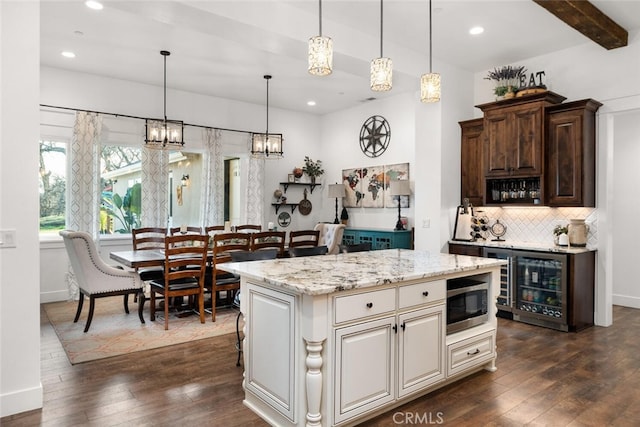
(534, 287)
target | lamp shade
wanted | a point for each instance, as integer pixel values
(336, 190)
(400, 188)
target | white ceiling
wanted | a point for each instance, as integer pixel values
(223, 48)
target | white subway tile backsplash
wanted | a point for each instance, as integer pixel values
(536, 224)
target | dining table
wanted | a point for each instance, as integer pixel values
(139, 258)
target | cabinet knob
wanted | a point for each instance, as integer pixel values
(369, 304)
(425, 293)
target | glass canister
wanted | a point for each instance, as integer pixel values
(578, 232)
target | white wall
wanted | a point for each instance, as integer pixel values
(610, 77)
(20, 386)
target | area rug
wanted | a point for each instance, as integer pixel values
(113, 332)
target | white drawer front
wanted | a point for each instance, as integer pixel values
(422, 293)
(470, 353)
(352, 307)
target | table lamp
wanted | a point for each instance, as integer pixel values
(399, 189)
(336, 190)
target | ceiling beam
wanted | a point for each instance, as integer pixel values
(583, 16)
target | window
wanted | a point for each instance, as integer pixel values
(53, 183)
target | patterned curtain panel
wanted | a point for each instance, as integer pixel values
(255, 202)
(213, 184)
(155, 173)
(83, 213)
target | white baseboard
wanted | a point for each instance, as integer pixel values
(21, 401)
(54, 296)
(626, 301)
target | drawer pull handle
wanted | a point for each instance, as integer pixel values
(369, 304)
(472, 353)
(425, 293)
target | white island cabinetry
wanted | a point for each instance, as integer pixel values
(336, 339)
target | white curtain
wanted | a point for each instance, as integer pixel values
(255, 184)
(155, 175)
(212, 188)
(83, 212)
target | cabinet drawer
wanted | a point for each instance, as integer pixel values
(470, 353)
(422, 293)
(352, 307)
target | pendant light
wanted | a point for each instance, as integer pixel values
(381, 68)
(267, 145)
(320, 52)
(164, 134)
(430, 83)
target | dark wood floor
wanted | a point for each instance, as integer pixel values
(544, 377)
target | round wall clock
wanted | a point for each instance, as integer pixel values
(374, 136)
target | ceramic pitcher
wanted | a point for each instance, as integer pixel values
(578, 232)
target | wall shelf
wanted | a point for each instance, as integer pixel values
(286, 185)
(277, 206)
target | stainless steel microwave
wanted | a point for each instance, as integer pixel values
(466, 304)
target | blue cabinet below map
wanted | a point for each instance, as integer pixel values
(379, 239)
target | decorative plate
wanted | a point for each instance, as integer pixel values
(374, 136)
(284, 219)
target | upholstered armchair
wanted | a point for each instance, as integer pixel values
(96, 278)
(330, 236)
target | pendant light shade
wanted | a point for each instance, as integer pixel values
(381, 68)
(320, 52)
(164, 134)
(430, 82)
(267, 145)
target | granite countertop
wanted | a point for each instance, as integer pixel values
(530, 246)
(325, 274)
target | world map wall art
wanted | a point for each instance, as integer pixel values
(368, 187)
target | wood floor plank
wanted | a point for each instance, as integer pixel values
(544, 378)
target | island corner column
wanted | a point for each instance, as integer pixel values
(314, 331)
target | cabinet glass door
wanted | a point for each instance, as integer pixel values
(541, 286)
(505, 299)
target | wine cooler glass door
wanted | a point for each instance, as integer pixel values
(541, 287)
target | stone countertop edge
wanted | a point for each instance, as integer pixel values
(526, 246)
(327, 274)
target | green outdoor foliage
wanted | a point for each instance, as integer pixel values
(126, 210)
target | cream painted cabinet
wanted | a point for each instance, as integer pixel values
(381, 360)
(420, 349)
(364, 374)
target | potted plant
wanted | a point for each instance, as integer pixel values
(561, 235)
(312, 168)
(507, 80)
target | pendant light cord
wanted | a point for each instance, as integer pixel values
(381, 19)
(320, 17)
(430, 39)
(165, 88)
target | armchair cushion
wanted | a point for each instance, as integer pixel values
(330, 236)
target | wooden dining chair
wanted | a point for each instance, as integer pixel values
(218, 280)
(144, 239)
(305, 238)
(184, 272)
(249, 227)
(213, 228)
(190, 229)
(268, 239)
(307, 251)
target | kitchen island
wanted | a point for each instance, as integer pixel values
(333, 340)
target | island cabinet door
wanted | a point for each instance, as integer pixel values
(364, 367)
(421, 353)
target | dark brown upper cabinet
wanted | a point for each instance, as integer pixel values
(471, 171)
(514, 135)
(570, 149)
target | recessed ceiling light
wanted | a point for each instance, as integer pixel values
(474, 31)
(68, 54)
(95, 5)
(311, 103)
